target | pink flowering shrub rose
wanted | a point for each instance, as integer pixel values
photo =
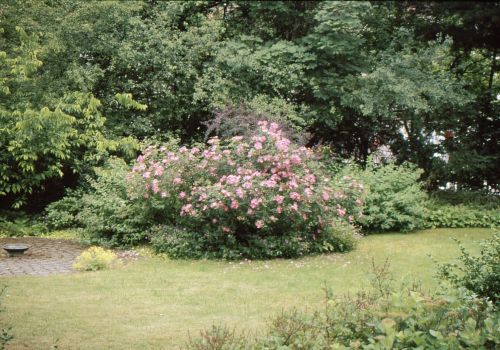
(254, 197)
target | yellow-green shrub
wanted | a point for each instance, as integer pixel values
(96, 258)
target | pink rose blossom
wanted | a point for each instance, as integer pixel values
(282, 145)
(213, 141)
(239, 192)
(234, 204)
(155, 186)
(310, 178)
(177, 180)
(232, 179)
(325, 196)
(259, 223)
(308, 192)
(159, 170)
(255, 202)
(295, 159)
(279, 199)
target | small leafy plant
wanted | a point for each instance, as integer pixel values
(479, 274)
(96, 258)
(395, 197)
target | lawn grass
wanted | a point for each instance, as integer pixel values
(154, 303)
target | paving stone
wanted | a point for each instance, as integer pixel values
(44, 257)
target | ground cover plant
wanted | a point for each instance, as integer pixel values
(157, 303)
(463, 209)
(96, 258)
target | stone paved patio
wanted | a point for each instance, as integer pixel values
(44, 257)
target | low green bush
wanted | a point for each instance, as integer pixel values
(17, 224)
(96, 258)
(105, 213)
(452, 209)
(460, 216)
(62, 214)
(179, 242)
(395, 198)
(479, 274)
(108, 216)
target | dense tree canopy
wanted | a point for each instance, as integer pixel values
(418, 77)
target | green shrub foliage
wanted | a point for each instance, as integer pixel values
(480, 274)
(105, 213)
(463, 209)
(461, 216)
(257, 196)
(395, 198)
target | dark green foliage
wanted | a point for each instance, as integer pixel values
(479, 274)
(395, 198)
(463, 209)
(108, 216)
(62, 214)
(420, 78)
(42, 142)
(461, 216)
(476, 199)
(179, 243)
(16, 224)
(104, 213)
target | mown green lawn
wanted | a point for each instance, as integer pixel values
(155, 303)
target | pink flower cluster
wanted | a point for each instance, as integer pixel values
(260, 182)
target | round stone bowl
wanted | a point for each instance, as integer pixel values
(15, 249)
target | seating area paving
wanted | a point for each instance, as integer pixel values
(44, 257)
